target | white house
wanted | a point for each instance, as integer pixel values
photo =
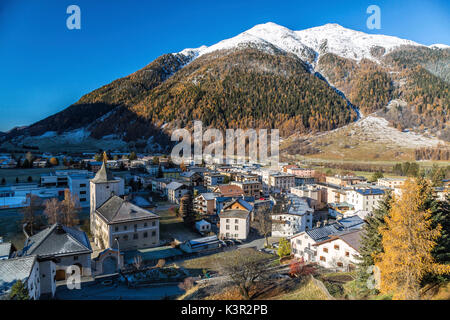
(234, 224)
(364, 199)
(297, 218)
(304, 244)
(340, 251)
(175, 190)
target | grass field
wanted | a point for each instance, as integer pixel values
(10, 175)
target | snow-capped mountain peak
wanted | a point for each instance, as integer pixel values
(349, 43)
(439, 46)
(311, 43)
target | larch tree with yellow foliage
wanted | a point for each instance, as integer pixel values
(408, 240)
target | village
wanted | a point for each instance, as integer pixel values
(138, 226)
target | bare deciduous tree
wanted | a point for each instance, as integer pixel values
(53, 211)
(31, 215)
(244, 267)
(263, 223)
(70, 207)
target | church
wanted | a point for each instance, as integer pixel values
(116, 222)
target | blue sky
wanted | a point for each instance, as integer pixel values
(45, 67)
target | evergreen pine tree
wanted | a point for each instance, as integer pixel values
(371, 242)
(19, 291)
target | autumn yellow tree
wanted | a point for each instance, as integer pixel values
(408, 240)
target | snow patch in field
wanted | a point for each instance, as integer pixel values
(379, 130)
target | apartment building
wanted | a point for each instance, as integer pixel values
(234, 224)
(205, 203)
(214, 179)
(344, 181)
(364, 199)
(297, 217)
(391, 182)
(118, 220)
(250, 188)
(281, 182)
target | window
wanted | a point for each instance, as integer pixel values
(125, 237)
(135, 227)
(116, 229)
(145, 224)
(340, 264)
(325, 250)
(227, 227)
(145, 234)
(75, 258)
(135, 236)
(228, 220)
(322, 258)
(336, 247)
(82, 199)
(347, 254)
(153, 223)
(153, 233)
(236, 221)
(82, 192)
(125, 227)
(236, 228)
(82, 185)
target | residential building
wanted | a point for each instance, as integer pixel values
(340, 251)
(214, 179)
(65, 246)
(280, 182)
(392, 183)
(173, 173)
(340, 209)
(344, 181)
(205, 203)
(234, 224)
(303, 244)
(314, 192)
(296, 216)
(25, 269)
(120, 221)
(175, 190)
(250, 188)
(192, 178)
(365, 199)
(79, 188)
(227, 190)
(301, 172)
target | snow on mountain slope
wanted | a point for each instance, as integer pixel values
(439, 46)
(309, 43)
(262, 36)
(348, 43)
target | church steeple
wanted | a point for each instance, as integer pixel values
(104, 175)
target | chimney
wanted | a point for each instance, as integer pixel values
(60, 229)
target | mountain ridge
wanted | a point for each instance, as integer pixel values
(366, 70)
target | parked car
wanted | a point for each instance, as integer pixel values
(229, 242)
